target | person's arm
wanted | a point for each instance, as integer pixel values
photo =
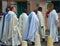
(56, 18)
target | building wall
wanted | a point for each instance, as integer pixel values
(32, 5)
(43, 5)
(4, 5)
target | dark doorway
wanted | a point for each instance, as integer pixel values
(56, 5)
(20, 7)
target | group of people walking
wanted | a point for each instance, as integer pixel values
(15, 30)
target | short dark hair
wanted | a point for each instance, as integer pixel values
(35, 11)
(8, 8)
(39, 8)
(25, 10)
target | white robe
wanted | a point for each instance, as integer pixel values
(1, 21)
(11, 35)
(32, 28)
(22, 24)
(53, 21)
(41, 23)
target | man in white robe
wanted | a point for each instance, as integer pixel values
(41, 23)
(53, 22)
(1, 19)
(23, 23)
(11, 35)
(32, 28)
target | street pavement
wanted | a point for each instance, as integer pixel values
(45, 44)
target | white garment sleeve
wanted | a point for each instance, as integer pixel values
(56, 18)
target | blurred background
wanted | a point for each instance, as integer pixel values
(30, 5)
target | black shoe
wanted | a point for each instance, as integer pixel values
(56, 42)
(43, 40)
(33, 43)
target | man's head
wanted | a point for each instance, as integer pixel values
(14, 9)
(35, 11)
(40, 9)
(50, 6)
(8, 8)
(25, 10)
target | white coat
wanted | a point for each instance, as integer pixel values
(11, 35)
(1, 21)
(41, 23)
(53, 21)
(23, 23)
(32, 28)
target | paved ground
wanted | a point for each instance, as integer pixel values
(57, 44)
(45, 44)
